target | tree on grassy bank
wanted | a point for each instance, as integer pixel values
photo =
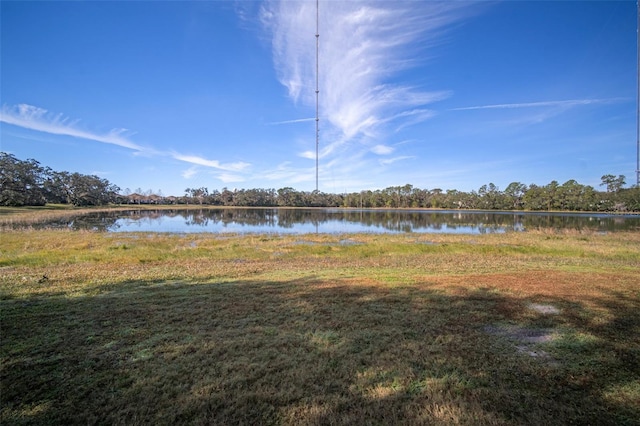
(22, 183)
(27, 183)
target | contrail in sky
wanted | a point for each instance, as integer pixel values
(299, 120)
(566, 103)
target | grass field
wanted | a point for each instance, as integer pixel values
(517, 328)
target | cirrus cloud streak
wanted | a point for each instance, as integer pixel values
(39, 119)
(362, 45)
(564, 104)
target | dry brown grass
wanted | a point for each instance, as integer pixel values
(201, 329)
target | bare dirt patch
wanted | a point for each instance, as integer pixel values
(522, 334)
(544, 309)
(525, 339)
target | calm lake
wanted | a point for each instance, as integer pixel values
(339, 221)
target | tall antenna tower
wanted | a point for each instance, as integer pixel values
(317, 90)
(638, 97)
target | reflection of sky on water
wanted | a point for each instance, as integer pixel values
(336, 221)
(179, 224)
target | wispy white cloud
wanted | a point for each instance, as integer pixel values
(190, 172)
(299, 120)
(538, 112)
(230, 177)
(194, 159)
(382, 149)
(563, 104)
(308, 154)
(363, 45)
(387, 161)
(288, 173)
(39, 119)
(332, 146)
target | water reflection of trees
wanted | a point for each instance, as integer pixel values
(401, 221)
(95, 222)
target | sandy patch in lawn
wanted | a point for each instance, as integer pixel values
(525, 339)
(543, 309)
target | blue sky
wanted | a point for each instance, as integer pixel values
(165, 96)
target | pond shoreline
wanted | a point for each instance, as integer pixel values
(189, 219)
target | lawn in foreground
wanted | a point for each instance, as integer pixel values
(535, 328)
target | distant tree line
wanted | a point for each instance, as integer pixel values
(28, 183)
(569, 196)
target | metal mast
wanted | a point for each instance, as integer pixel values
(638, 97)
(317, 91)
